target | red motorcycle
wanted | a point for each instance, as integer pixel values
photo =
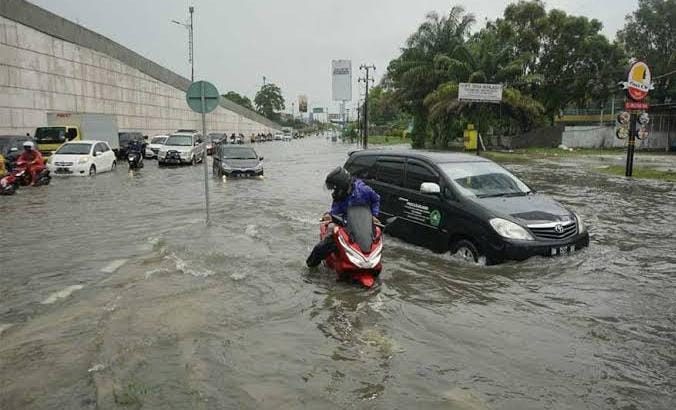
(359, 245)
(20, 176)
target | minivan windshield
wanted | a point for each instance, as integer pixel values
(179, 140)
(484, 179)
(238, 153)
(74, 149)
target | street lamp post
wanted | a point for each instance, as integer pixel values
(366, 79)
(191, 55)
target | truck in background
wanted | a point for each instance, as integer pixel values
(62, 127)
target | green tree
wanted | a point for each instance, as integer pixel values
(415, 74)
(650, 34)
(383, 106)
(237, 98)
(269, 101)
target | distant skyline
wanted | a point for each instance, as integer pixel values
(290, 42)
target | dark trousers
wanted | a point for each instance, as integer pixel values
(324, 248)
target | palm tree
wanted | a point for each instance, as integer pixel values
(417, 72)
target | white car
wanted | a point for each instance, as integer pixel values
(182, 148)
(82, 158)
(155, 144)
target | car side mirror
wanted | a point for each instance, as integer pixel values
(97, 153)
(261, 158)
(430, 188)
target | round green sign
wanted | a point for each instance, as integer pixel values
(435, 218)
(202, 97)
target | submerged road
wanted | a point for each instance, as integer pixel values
(114, 294)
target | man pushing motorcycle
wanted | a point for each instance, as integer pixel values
(347, 192)
(33, 160)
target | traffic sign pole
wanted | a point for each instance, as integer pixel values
(204, 157)
(203, 97)
(631, 145)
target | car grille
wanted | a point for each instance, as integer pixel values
(63, 164)
(557, 231)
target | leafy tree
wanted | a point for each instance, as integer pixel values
(383, 106)
(650, 34)
(237, 98)
(269, 101)
(414, 74)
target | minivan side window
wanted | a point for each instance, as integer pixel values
(361, 167)
(390, 171)
(416, 174)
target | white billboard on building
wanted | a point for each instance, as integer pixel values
(341, 80)
(478, 92)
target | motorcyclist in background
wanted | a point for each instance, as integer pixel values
(347, 192)
(33, 159)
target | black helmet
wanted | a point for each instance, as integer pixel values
(340, 182)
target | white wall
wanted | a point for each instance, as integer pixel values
(41, 73)
(604, 137)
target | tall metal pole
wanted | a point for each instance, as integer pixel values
(631, 145)
(191, 9)
(366, 80)
(204, 158)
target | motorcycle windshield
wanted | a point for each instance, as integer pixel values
(360, 226)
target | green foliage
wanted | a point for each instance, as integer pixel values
(237, 98)
(269, 101)
(650, 34)
(546, 61)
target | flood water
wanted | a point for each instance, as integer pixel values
(114, 294)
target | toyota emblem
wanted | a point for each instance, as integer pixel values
(558, 228)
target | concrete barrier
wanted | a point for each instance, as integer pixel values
(48, 63)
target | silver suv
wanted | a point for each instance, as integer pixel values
(182, 148)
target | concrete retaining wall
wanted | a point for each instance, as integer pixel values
(604, 137)
(48, 63)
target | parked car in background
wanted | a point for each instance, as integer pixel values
(11, 147)
(125, 138)
(154, 147)
(467, 205)
(182, 148)
(237, 160)
(279, 136)
(82, 158)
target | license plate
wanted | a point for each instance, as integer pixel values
(63, 171)
(563, 250)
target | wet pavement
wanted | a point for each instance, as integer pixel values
(114, 294)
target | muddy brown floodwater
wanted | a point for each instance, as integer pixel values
(114, 294)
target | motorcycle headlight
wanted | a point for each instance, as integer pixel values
(83, 160)
(580, 225)
(510, 230)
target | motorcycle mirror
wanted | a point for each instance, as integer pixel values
(261, 158)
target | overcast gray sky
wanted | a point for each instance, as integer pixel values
(291, 42)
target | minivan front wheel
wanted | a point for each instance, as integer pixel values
(466, 250)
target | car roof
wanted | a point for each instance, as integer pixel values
(84, 142)
(437, 157)
(185, 134)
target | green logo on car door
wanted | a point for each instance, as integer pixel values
(435, 218)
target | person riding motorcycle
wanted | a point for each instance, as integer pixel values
(347, 192)
(33, 159)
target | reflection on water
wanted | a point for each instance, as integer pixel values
(117, 295)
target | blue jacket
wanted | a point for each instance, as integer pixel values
(361, 194)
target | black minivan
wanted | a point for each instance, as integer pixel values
(466, 204)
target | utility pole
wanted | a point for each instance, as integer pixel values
(366, 79)
(191, 53)
(264, 81)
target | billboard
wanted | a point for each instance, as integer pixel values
(302, 103)
(478, 92)
(341, 80)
